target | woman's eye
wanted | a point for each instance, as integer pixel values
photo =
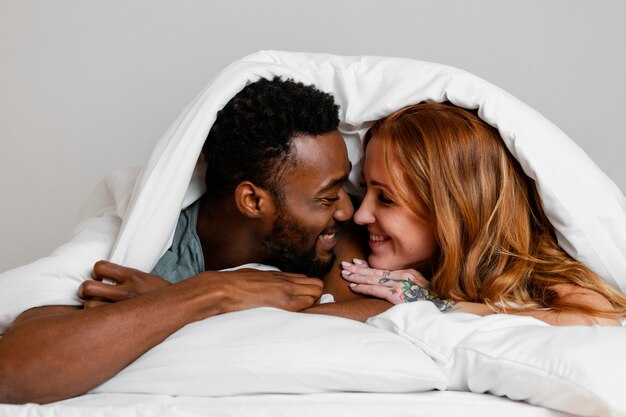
(384, 199)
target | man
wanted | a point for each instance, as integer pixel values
(276, 168)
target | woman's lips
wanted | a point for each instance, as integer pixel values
(376, 241)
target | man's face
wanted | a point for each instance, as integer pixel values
(314, 207)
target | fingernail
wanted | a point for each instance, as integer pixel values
(346, 273)
(344, 263)
(358, 261)
(352, 285)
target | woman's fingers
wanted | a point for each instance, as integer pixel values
(364, 270)
(362, 275)
(359, 278)
(380, 276)
(378, 291)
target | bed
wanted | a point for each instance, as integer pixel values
(410, 360)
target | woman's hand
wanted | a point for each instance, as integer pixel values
(402, 286)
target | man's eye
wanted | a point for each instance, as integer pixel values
(329, 200)
(385, 200)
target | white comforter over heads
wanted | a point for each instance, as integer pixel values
(131, 217)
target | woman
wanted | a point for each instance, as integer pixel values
(450, 212)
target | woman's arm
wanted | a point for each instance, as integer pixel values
(409, 285)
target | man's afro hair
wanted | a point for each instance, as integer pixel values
(251, 138)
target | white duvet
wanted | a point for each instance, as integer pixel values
(131, 217)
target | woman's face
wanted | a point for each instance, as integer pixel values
(398, 237)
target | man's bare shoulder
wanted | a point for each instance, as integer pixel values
(352, 244)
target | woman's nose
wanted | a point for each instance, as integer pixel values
(364, 214)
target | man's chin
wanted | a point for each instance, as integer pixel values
(318, 267)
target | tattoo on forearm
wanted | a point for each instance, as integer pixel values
(410, 291)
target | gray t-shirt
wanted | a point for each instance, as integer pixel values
(184, 258)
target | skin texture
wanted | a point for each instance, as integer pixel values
(398, 237)
(86, 346)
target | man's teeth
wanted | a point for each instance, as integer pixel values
(328, 236)
(377, 238)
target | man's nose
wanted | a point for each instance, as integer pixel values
(345, 210)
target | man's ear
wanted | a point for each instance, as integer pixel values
(253, 201)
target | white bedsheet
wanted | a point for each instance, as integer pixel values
(427, 404)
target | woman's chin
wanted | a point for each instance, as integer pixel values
(381, 262)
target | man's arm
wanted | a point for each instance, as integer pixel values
(83, 348)
(349, 304)
(132, 283)
(359, 310)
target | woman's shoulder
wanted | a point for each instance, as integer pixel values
(585, 297)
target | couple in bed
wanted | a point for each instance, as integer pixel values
(451, 219)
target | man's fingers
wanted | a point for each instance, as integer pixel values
(94, 303)
(301, 302)
(115, 272)
(316, 282)
(310, 288)
(281, 274)
(285, 276)
(93, 289)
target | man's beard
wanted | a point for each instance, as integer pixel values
(287, 245)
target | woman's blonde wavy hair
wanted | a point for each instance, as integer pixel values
(496, 245)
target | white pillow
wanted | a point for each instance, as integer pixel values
(267, 350)
(576, 369)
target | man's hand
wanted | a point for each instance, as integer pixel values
(235, 290)
(129, 283)
(249, 288)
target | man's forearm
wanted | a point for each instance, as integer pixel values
(56, 356)
(81, 349)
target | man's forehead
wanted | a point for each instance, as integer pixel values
(323, 158)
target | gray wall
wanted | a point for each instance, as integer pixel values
(87, 87)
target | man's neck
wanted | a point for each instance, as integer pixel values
(227, 238)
